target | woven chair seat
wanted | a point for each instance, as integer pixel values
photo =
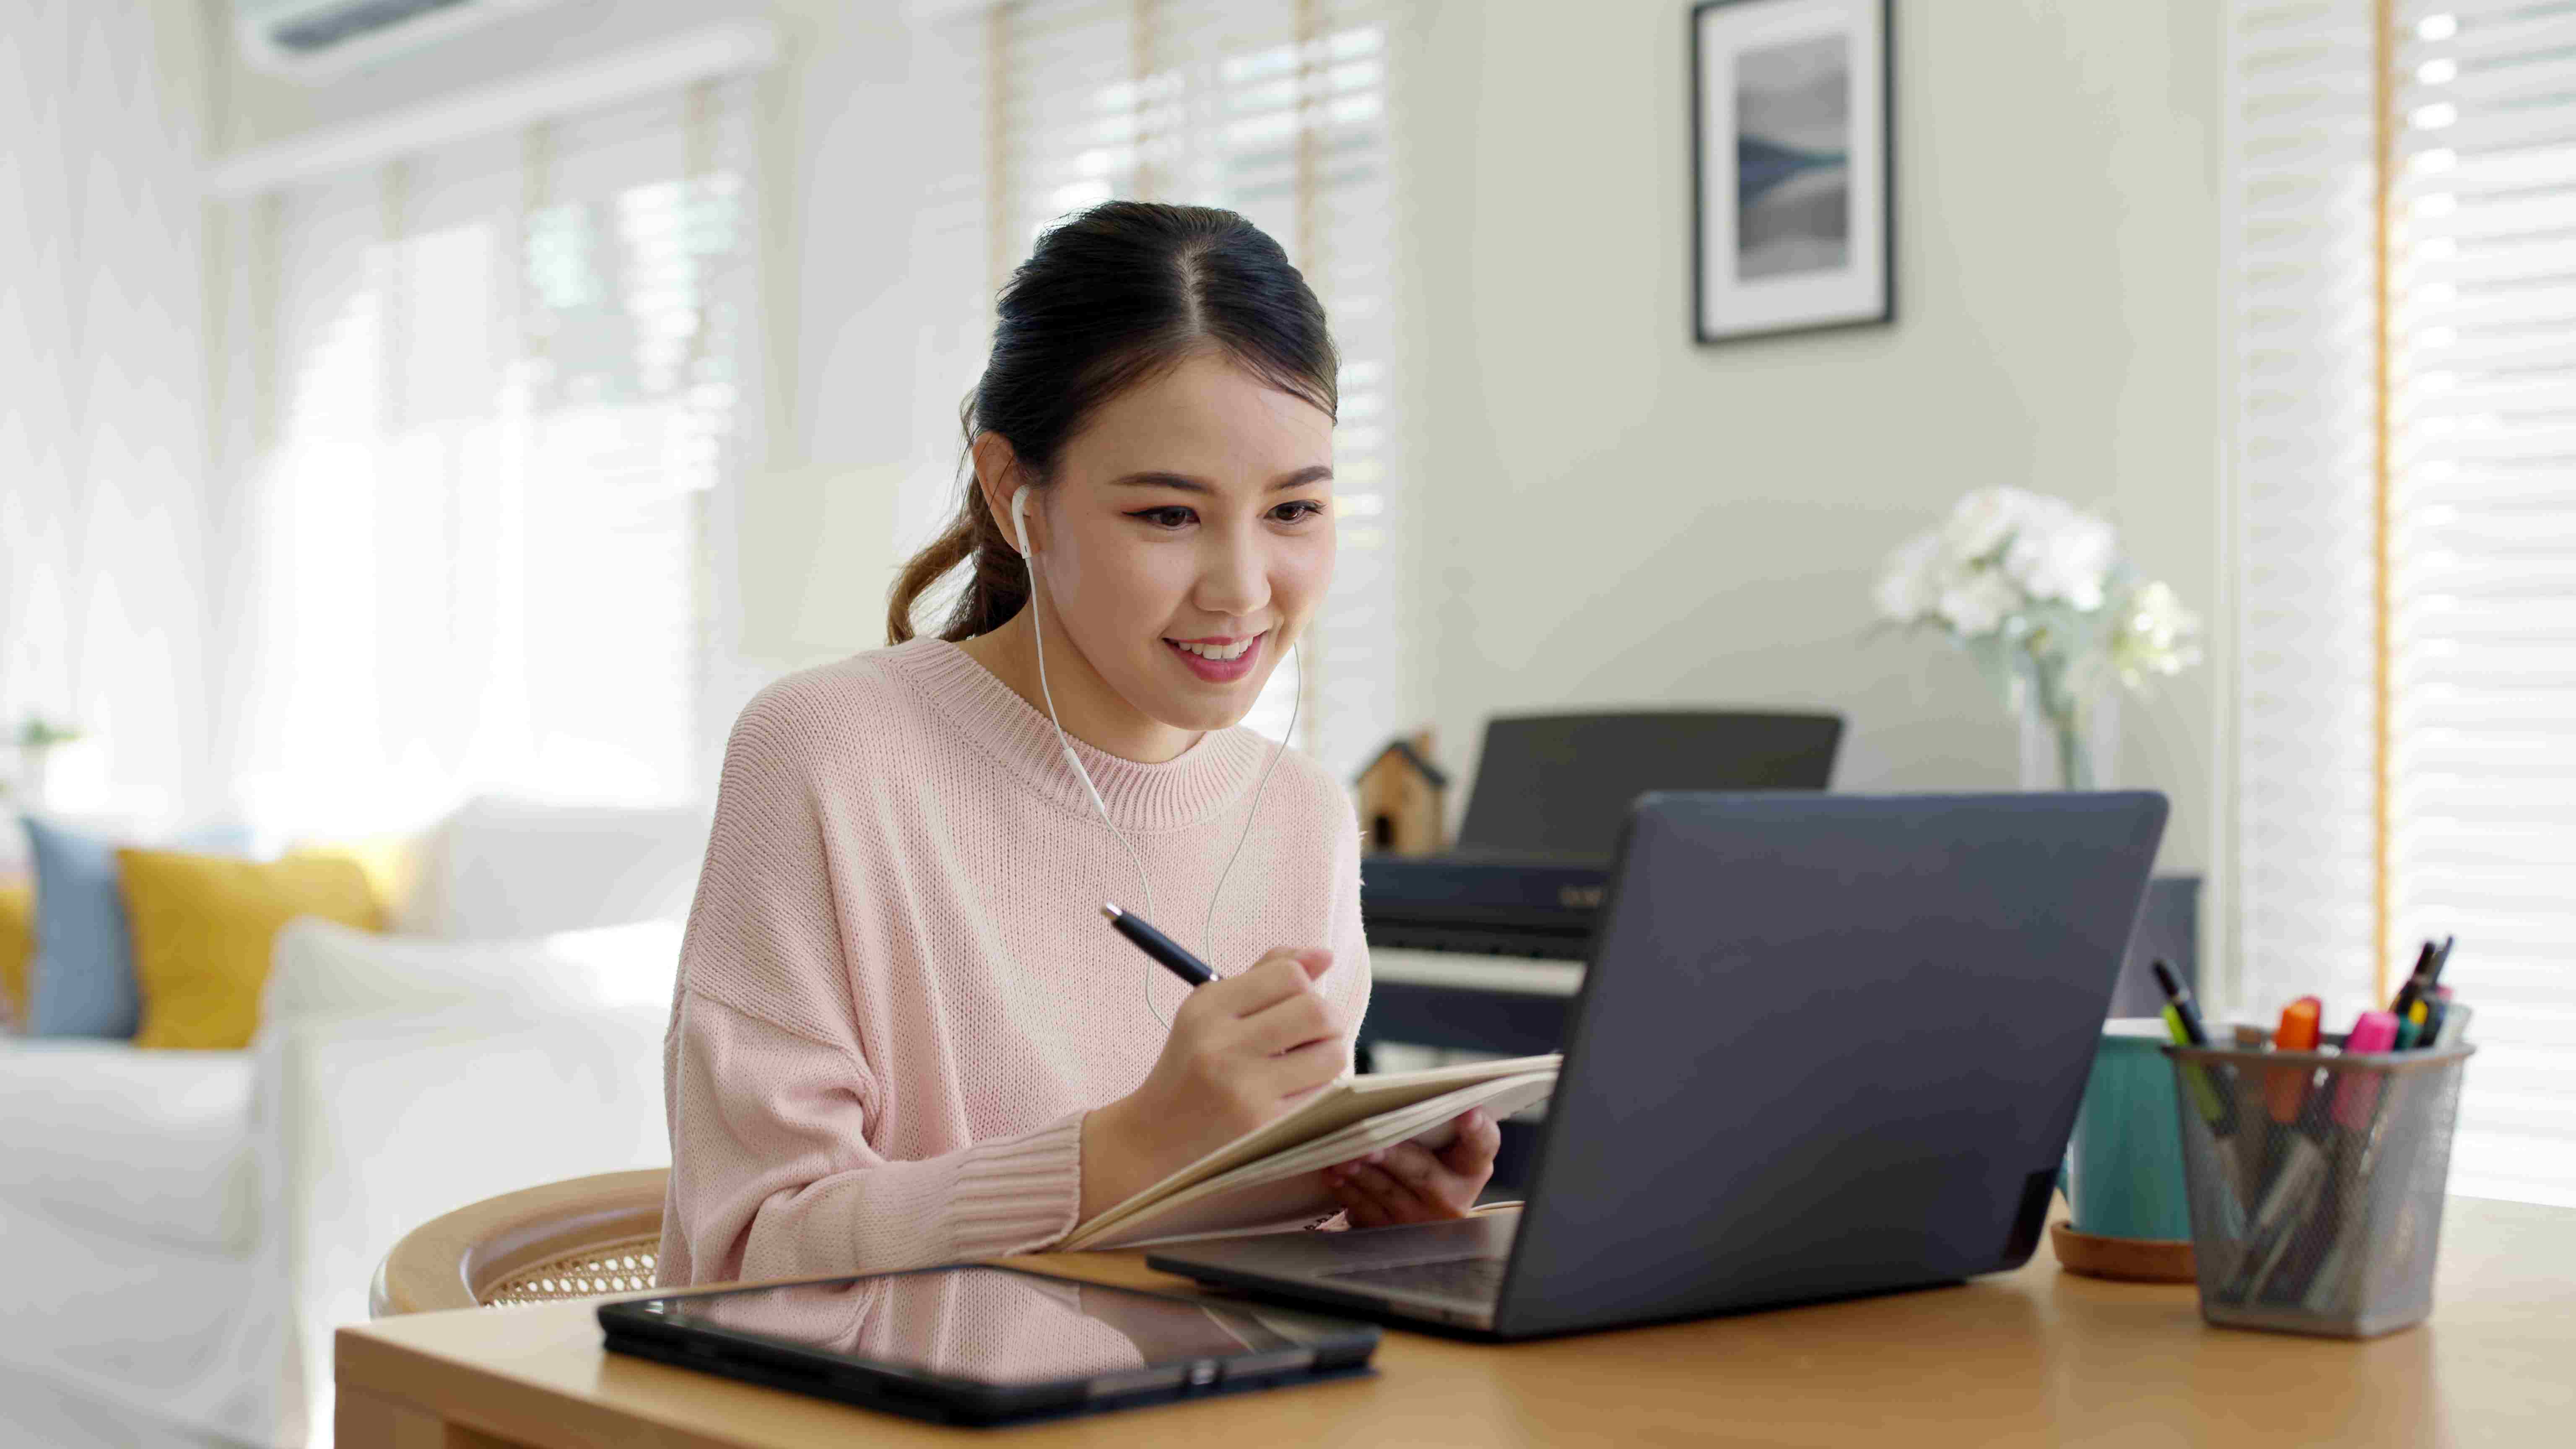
(585, 1238)
(588, 1273)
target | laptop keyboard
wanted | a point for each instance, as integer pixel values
(1475, 1279)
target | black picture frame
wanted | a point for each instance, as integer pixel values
(1723, 313)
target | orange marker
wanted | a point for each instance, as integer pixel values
(2286, 1088)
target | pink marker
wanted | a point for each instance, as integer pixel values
(2358, 1092)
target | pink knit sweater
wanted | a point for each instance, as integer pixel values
(896, 995)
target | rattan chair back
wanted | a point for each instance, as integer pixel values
(578, 1239)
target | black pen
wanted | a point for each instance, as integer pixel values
(2426, 976)
(2413, 985)
(2218, 1086)
(1159, 946)
(2180, 996)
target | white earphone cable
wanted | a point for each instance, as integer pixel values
(1207, 933)
(1037, 622)
(1207, 930)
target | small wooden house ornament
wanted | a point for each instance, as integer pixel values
(1401, 797)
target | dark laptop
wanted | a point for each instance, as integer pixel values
(1827, 1045)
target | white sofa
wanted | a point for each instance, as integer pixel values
(180, 1232)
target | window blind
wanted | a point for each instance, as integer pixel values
(2304, 269)
(481, 503)
(2483, 556)
(1277, 109)
(2451, 380)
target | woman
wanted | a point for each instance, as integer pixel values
(903, 1035)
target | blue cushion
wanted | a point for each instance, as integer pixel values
(81, 982)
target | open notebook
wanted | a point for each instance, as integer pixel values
(1267, 1179)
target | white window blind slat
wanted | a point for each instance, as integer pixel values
(2432, 21)
(2479, 138)
(2516, 32)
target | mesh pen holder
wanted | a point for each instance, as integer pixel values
(2316, 1182)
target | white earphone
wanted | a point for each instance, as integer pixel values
(1207, 932)
(1029, 557)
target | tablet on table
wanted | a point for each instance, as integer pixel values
(979, 1344)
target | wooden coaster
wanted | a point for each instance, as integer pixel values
(2132, 1260)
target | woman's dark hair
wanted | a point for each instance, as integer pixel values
(1111, 297)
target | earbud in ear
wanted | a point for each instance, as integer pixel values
(1020, 518)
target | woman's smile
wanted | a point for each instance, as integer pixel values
(1218, 660)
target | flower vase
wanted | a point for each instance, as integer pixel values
(2070, 736)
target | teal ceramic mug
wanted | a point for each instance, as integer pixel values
(2124, 1164)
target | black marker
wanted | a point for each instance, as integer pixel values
(2180, 996)
(2416, 981)
(2218, 1085)
(1159, 946)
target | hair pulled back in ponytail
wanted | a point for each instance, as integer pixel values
(1111, 297)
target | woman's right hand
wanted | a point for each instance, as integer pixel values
(1243, 1050)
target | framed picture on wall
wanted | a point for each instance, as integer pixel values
(1793, 167)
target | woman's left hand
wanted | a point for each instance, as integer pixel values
(1406, 1183)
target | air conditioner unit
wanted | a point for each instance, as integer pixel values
(314, 40)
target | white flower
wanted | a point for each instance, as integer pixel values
(1909, 581)
(2155, 635)
(1984, 519)
(1977, 601)
(2058, 553)
(2035, 591)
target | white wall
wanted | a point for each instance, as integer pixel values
(1613, 515)
(103, 400)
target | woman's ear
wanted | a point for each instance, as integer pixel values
(998, 475)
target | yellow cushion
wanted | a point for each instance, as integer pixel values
(17, 947)
(202, 926)
(392, 861)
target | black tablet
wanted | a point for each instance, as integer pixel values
(974, 1344)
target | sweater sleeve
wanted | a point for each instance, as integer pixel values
(770, 1099)
(772, 1175)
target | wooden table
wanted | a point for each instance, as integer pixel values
(2037, 1356)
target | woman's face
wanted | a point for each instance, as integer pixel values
(1193, 509)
